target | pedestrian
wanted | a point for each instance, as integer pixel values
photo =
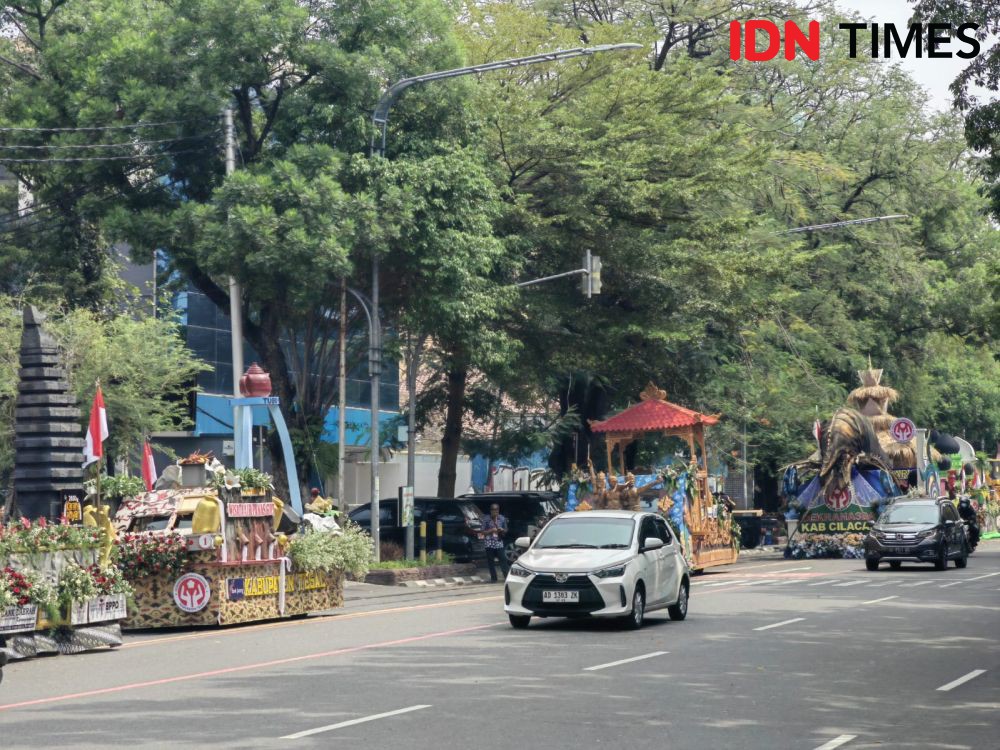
(493, 531)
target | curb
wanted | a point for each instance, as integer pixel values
(438, 582)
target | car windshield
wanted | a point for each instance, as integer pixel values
(911, 513)
(590, 532)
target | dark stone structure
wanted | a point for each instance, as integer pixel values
(48, 438)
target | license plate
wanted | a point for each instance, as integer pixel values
(900, 550)
(561, 597)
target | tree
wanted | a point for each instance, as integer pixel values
(145, 370)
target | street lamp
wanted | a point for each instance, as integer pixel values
(380, 121)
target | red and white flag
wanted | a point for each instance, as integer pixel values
(818, 433)
(97, 430)
(148, 466)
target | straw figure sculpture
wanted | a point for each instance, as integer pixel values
(872, 399)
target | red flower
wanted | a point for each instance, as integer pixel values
(26, 524)
(42, 523)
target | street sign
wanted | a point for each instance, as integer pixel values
(902, 430)
(406, 506)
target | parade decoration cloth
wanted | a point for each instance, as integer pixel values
(148, 466)
(97, 430)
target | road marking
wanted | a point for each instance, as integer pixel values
(850, 583)
(918, 583)
(820, 583)
(883, 599)
(978, 578)
(790, 580)
(884, 583)
(755, 583)
(625, 661)
(774, 625)
(721, 583)
(246, 667)
(789, 570)
(837, 742)
(961, 680)
(216, 633)
(353, 722)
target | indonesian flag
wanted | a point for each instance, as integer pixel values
(148, 466)
(97, 430)
(818, 433)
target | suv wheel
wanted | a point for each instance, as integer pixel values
(519, 622)
(942, 559)
(871, 563)
(633, 621)
(679, 610)
(962, 561)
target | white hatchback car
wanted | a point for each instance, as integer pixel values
(601, 563)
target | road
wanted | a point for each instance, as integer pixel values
(774, 654)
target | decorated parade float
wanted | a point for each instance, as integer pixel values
(701, 521)
(60, 591)
(205, 545)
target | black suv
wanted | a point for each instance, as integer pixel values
(923, 530)
(460, 521)
(526, 513)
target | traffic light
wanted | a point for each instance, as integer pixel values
(592, 278)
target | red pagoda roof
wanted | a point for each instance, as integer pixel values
(652, 413)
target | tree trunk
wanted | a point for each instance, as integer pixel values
(450, 442)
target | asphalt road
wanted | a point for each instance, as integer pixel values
(774, 654)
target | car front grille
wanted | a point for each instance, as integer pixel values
(590, 598)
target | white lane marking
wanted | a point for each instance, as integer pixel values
(789, 570)
(953, 583)
(791, 580)
(352, 722)
(820, 583)
(918, 583)
(757, 583)
(837, 742)
(962, 680)
(883, 599)
(978, 578)
(625, 661)
(722, 583)
(850, 583)
(884, 583)
(779, 624)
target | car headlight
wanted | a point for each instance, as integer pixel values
(519, 571)
(615, 572)
(927, 534)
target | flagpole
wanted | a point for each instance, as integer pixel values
(100, 458)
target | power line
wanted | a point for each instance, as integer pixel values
(16, 147)
(95, 128)
(70, 159)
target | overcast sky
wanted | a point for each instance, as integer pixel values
(933, 74)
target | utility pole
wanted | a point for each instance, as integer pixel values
(342, 398)
(375, 371)
(235, 290)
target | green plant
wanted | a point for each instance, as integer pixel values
(350, 551)
(33, 538)
(75, 584)
(110, 581)
(140, 555)
(250, 479)
(118, 486)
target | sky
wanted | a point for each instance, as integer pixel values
(936, 74)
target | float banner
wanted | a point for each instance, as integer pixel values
(852, 520)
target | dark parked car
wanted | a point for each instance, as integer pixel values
(460, 520)
(526, 512)
(923, 530)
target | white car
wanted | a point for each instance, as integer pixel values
(600, 563)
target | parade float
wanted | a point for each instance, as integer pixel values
(865, 458)
(216, 546)
(701, 521)
(59, 589)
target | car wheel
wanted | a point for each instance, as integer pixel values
(895, 564)
(942, 559)
(871, 563)
(962, 561)
(633, 621)
(519, 622)
(679, 610)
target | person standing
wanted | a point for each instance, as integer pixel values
(494, 530)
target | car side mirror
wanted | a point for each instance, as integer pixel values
(522, 542)
(949, 522)
(651, 543)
